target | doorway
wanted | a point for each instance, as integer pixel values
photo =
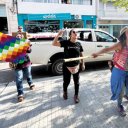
(3, 25)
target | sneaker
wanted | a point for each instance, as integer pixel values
(65, 95)
(121, 111)
(76, 99)
(126, 97)
(20, 98)
(32, 87)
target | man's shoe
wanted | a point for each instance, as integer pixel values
(121, 111)
(32, 87)
(76, 99)
(65, 95)
(20, 98)
(126, 97)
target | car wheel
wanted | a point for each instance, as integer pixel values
(57, 67)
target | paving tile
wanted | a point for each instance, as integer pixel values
(44, 107)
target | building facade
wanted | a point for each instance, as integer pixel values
(52, 15)
(111, 18)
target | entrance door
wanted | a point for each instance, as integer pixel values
(89, 24)
(3, 25)
(3, 19)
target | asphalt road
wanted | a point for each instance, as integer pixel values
(8, 75)
(39, 71)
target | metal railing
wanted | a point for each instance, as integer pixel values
(112, 13)
(42, 1)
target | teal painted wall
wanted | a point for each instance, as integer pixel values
(93, 18)
(60, 16)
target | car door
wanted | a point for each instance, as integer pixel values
(104, 40)
(86, 39)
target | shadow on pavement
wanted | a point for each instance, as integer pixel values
(45, 107)
(39, 71)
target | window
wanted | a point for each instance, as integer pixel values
(110, 5)
(42, 26)
(43, 1)
(84, 35)
(53, 1)
(105, 28)
(73, 24)
(82, 2)
(103, 37)
(85, 2)
(89, 23)
(66, 1)
(3, 11)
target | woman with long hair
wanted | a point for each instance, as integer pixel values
(119, 77)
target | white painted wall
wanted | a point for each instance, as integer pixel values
(45, 8)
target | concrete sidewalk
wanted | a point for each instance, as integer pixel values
(44, 107)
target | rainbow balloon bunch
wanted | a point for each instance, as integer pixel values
(12, 49)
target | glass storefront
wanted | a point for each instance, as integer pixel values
(42, 26)
(50, 25)
(82, 2)
(38, 23)
(112, 29)
(73, 24)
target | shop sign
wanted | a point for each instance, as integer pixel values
(60, 16)
(50, 16)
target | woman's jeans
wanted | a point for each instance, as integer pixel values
(19, 78)
(123, 92)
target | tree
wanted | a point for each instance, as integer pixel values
(119, 3)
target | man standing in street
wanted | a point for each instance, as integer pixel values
(24, 68)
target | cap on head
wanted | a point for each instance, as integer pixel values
(123, 30)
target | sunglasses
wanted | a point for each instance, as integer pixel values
(19, 28)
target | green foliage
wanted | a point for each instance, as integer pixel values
(119, 3)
